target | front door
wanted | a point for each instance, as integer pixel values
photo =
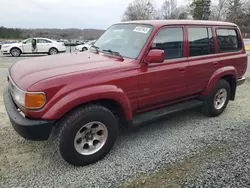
(164, 82)
(27, 46)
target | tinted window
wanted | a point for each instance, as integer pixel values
(43, 41)
(171, 41)
(200, 41)
(227, 40)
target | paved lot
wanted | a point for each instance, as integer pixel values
(186, 150)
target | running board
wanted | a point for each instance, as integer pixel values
(159, 113)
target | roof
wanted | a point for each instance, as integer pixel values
(181, 22)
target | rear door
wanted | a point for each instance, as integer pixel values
(164, 82)
(43, 45)
(203, 61)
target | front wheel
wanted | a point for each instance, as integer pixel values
(15, 52)
(87, 135)
(217, 100)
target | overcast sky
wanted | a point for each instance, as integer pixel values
(82, 14)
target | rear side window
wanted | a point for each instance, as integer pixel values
(43, 41)
(228, 40)
(201, 41)
(171, 41)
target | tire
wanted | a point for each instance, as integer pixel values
(84, 49)
(76, 123)
(217, 100)
(53, 51)
(15, 52)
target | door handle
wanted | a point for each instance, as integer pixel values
(182, 69)
(215, 63)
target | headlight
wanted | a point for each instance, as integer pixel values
(30, 100)
(5, 46)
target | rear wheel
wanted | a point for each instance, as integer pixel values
(15, 52)
(87, 135)
(53, 51)
(217, 100)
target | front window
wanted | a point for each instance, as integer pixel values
(27, 41)
(126, 39)
(171, 41)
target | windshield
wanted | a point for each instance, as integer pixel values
(126, 39)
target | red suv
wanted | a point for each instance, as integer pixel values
(135, 72)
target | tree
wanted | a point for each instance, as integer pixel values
(169, 9)
(239, 13)
(10, 33)
(200, 9)
(235, 11)
(219, 10)
(183, 16)
(140, 10)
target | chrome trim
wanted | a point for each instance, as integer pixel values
(241, 81)
(24, 91)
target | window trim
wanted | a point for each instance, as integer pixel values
(240, 44)
(206, 27)
(184, 40)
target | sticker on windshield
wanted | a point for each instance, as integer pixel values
(141, 29)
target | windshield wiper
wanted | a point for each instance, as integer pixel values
(115, 53)
(96, 48)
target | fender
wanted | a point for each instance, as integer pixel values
(84, 95)
(229, 70)
(19, 47)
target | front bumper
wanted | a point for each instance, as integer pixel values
(3, 51)
(241, 81)
(36, 130)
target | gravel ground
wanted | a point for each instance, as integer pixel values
(230, 170)
(185, 150)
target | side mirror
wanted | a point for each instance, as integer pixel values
(155, 56)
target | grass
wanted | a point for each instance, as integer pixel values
(175, 174)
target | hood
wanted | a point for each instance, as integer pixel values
(13, 44)
(27, 72)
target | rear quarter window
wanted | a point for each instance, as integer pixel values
(228, 40)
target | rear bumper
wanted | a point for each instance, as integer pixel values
(241, 81)
(36, 130)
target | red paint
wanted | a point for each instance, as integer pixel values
(138, 85)
(154, 56)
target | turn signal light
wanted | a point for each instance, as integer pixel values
(34, 100)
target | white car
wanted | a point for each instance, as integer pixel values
(84, 47)
(43, 46)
